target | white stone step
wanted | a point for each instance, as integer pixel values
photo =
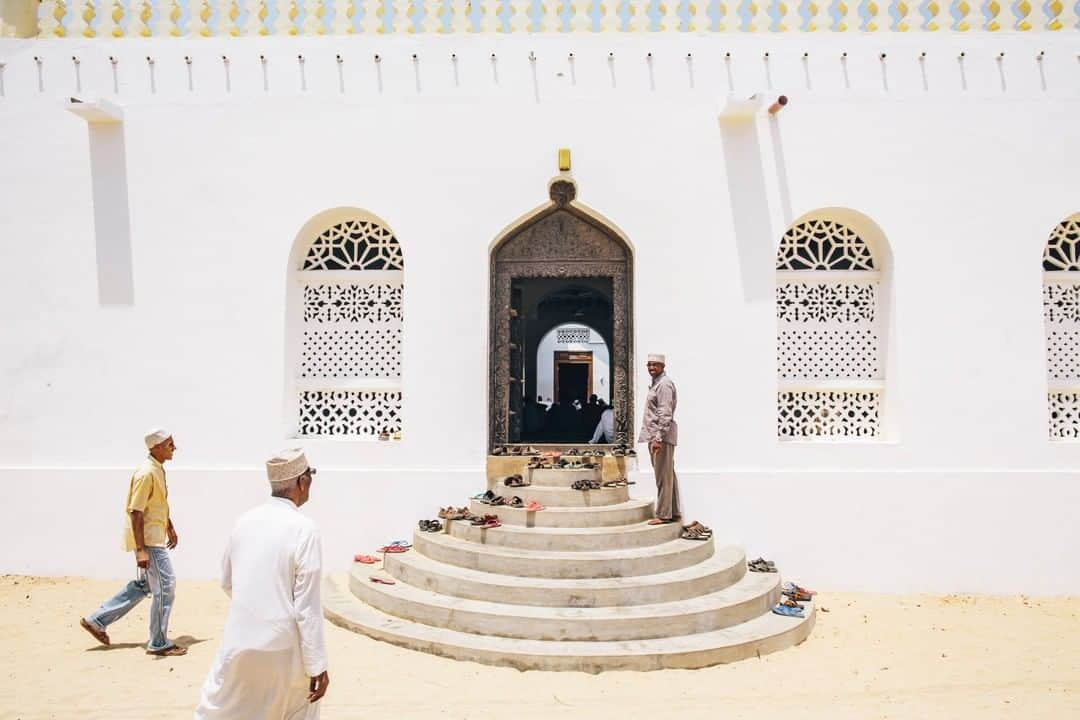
(624, 513)
(763, 634)
(565, 497)
(567, 539)
(752, 595)
(724, 568)
(560, 477)
(665, 557)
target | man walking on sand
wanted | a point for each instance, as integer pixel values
(661, 432)
(150, 534)
(272, 661)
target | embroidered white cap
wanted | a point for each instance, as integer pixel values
(286, 465)
(657, 357)
(155, 437)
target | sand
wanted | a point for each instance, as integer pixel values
(870, 656)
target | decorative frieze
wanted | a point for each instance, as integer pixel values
(77, 18)
(327, 413)
(812, 415)
(572, 336)
(353, 303)
(826, 302)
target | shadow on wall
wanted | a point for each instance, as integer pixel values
(754, 238)
(112, 223)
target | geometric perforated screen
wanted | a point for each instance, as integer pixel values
(828, 334)
(349, 412)
(353, 324)
(572, 335)
(1061, 320)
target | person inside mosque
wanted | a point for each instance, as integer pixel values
(590, 416)
(605, 426)
(534, 417)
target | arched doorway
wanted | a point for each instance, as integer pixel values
(560, 265)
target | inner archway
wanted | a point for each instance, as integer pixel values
(568, 386)
(560, 267)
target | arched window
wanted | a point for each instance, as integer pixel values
(828, 337)
(1061, 318)
(348, 348)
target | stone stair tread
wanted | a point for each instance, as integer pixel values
(672, 546)
(638, 527)
(722, 559)
(554, 496)
(751, 586)
(633, 510)
(631, 504)
(760, 635)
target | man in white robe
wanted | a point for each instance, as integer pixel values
(272, 661)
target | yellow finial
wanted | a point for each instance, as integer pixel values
(564, 159)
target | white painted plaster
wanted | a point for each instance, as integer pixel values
(965, 175)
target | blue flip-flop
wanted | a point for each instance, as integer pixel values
(788, 611)
(402, 543)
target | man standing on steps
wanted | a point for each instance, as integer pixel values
(272, 661)
(150, 534)
(661, 432)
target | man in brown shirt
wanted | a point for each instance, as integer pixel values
(661, 432)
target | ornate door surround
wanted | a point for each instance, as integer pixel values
(562, 239)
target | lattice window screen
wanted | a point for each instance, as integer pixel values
(828, 334)
(572, 335)
(349, 355)
(1061, 318)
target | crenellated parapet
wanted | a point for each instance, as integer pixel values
(208, 18)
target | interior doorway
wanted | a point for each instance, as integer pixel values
(565, 327)
(573, 377)
(561, 269)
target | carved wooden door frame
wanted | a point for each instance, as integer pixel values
(561, 240)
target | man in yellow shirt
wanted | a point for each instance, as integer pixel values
(149, 532)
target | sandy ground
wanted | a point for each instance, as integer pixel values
(870, 656)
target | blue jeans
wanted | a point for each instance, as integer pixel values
(158, 581)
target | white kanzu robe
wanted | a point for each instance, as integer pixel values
(273, 641)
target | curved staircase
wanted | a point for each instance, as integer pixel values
(585, 584)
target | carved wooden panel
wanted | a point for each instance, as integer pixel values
(562, 241)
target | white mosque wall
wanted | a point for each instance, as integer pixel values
(966, 164)
(545, 362)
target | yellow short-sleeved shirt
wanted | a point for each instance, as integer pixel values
(148, 494)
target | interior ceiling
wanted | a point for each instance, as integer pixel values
(574, 301)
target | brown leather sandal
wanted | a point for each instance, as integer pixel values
(171, 651)
(100, 635)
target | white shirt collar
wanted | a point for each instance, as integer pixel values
(285, 501)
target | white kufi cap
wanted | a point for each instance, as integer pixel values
(657, 357)
(155, 437)
(286, 465)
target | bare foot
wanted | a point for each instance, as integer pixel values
(100, 635)
(660, 521)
